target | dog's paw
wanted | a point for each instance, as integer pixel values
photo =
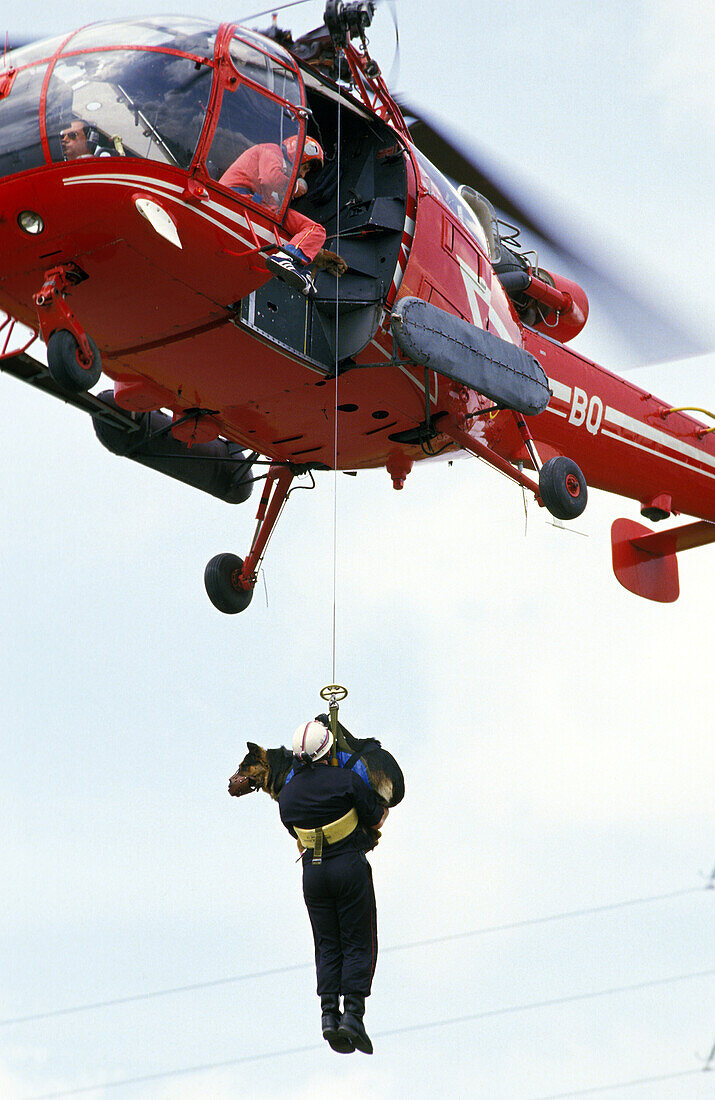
(330, 262)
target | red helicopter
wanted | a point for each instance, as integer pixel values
(442, 334)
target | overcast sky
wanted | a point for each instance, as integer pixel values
(554, 730)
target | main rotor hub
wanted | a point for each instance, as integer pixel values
(347, 20)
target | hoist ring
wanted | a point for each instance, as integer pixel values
(333, 691)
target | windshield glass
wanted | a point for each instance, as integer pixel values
(20, 146)
(188, 35)
(127, 103)
(36, 51)
(440, 186)
(254, 145)
(138, 100)
(266, 68)
(251, 151)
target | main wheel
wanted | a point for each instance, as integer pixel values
(562, 488)
(221, 577)
(65, 365)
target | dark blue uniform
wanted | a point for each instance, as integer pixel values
(338, 891)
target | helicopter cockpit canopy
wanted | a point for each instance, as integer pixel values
(179, 91)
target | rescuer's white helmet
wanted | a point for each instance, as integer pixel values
(312, 739)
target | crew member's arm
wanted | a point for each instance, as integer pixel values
(369, 809)
(271, 173)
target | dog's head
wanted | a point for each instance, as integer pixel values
(254, 771)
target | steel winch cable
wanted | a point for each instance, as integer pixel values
(337, 375)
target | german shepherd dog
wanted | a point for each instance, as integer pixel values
(267, 769)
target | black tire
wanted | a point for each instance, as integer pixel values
(563, 489)
(219, 577)
(65, 366)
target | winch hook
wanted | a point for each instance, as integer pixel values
(331, 694)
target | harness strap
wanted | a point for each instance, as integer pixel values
(327, 834)
(371, 743)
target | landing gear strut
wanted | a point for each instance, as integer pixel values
(562, 487)
(73, 358)
(228, 579)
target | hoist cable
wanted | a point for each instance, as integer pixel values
(337, 373)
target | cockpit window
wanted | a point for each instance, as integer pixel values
(440, 186)
(254, 143)
(265, 45)
(195, 36)
(142, 88)
(36, 51)
(127, 103)
(265, 69)
(20, 144)
(251, 151)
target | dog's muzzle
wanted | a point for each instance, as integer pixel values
(241, 784)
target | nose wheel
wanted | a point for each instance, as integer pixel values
(67, 365)
(562, 488)
(73, 358)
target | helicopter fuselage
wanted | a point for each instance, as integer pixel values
(164, 267)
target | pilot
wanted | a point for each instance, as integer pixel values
(76, 139)
(262, 172)
(323, 806)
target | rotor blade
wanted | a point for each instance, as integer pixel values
(643, 320)
(438, 149)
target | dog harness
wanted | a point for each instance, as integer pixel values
(350, 763)
(327, 834)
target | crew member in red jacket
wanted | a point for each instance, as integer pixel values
(262, 172)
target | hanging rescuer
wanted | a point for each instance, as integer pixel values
(322, 807)
(262, 173)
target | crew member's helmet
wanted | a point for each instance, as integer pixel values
(313, 740)
(312, 152)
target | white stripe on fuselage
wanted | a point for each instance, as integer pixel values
(476, 288)
(645, 432)
(172, 191)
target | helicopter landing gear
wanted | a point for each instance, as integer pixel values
(562, 488)
(222, 578)
(228, 579)
(66, 364)
(73, 358)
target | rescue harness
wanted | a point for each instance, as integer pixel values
(327, 834)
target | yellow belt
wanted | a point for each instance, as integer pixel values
(328, 834)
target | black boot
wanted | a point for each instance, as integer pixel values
(351, 1025)
(330, 1004)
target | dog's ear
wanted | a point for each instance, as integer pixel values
(252, 747)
